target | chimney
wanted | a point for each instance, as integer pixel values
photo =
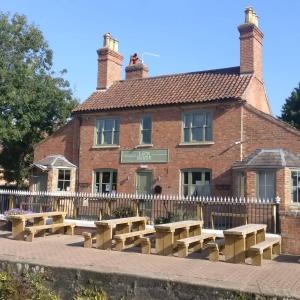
(136, 68)
(251, 45)
(109, 62)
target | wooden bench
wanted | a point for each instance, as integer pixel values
(40, 230)
(134, 239)
(213, 215)
(89, 239)
(145, 243)
(215, 248)
(195, 243)
(264, 250)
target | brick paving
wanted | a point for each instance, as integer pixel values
(279, 277)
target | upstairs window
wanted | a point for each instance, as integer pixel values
(146, 130)
(266, 184)
(64, 180)
(197, 126)
(107, 131)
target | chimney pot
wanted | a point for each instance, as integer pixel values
(136, 69)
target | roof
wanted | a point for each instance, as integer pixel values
(51, 161)
(269, 158)
(205, 86)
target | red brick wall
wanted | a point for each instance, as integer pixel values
(167, 127)
(64, 141)
(261, 131)
(290, 228)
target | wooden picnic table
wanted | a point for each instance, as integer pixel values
(104, 229)
(19, 221)
(239, 239)
(167, 234)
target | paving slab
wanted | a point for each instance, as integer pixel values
(280, 277)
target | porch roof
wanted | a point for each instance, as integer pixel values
(50, 161)
(269, 158)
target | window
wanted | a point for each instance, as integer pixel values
(107, 132)
(105, 181)
(266, 184)
(64, 180)
(197, 126)
(146, 130)
(240, 184)
(295, 186)
(196, 182)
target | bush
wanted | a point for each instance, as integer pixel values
(27, 286)
(168, 219)
(16, 211)
(123, 212)
(91, 294)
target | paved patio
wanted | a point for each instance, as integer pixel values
(279, 277)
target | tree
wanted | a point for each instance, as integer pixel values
(34, 101)
(290, 111)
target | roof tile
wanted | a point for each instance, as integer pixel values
(169, 89)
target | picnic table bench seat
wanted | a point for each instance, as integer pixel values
(214, 248)
(195, 243)
(89, 239)
(40, 230)
(264, 250)
(130, 239)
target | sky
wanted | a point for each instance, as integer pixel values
(190, 35)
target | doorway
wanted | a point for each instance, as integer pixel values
(144, 182)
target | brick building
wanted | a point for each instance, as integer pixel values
(201, 133)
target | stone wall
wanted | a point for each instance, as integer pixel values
(66, 281)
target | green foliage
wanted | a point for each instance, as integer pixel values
(34, 101)
(28, 286)
(123, 212)
(93, 293)
(169, 218)
(290, 111)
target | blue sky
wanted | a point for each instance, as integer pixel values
(189, 35)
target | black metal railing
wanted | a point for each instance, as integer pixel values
(216, 212)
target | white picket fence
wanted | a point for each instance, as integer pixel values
(114, 196)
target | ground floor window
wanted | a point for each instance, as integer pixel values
(105, 181)
(196, 182)
(295, 186)
(266, 184)
(64, 180)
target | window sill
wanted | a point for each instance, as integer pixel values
(106, 147)
(144, 146)
(195, 144)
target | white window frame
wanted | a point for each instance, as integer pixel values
(101, 171)
(297, 187)
(258, 174)
(191, 127)
(64, 180)
(115, 130)
(189, 184)
(143, 130)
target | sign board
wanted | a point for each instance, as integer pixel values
(144, 156)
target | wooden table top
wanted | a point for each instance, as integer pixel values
(177, 225)
(37, 215)
(245, 229)
(120, 221)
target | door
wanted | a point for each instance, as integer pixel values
(40, 182)
(144, 182)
